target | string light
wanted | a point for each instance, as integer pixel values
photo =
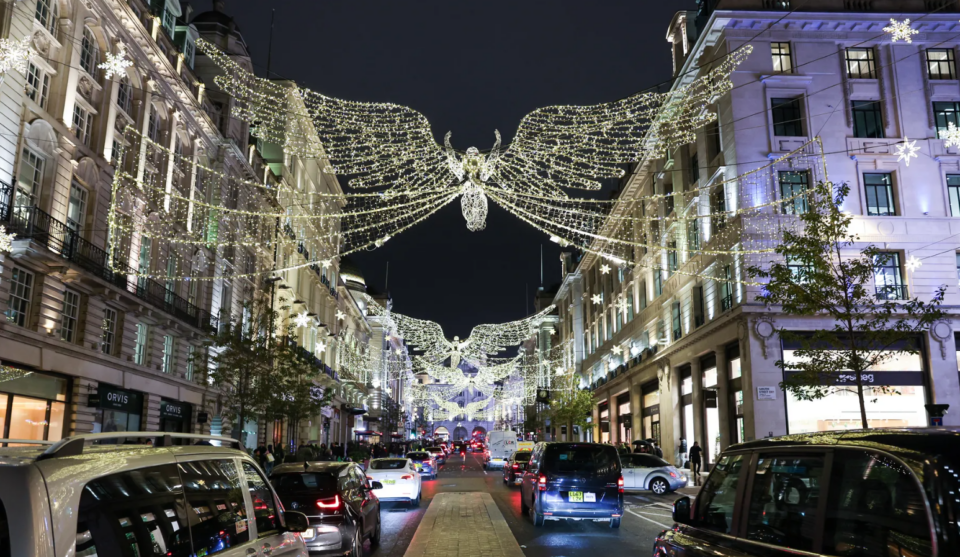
(951, 137)
(900, 31)
(6, 240)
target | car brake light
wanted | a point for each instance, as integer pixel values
(673, 474)
(515, 466)
(543, 482)
(620, 484)
(406, 477)
(327, 504)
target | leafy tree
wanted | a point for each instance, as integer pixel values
(569, 405)
(300, 390)
(820, 273)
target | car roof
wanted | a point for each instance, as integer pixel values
(334, 468)
(19, 456)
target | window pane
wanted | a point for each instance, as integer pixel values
(786, 117)
(783, 507)
(264, 504)
(28, 419)
(215, 506)
(945, 113)
(874, 508)
(941, 63)
(719, 494)
(879, 192)
(867, 119)
(3, 413)
(55, 429)
(860, 63)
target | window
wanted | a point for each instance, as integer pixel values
(879, 190)
(89, 52)
(143, 266)
(191, 357)
(874, 507)
(265, 508)
(784, 500)
(799, 269)
(720, 202)
(787, 121)
(28, 179)
(169, 20)
(953, 188)
(781, 57)
(38, 85)
(124, 94)
(941, 63)
(189, 52)
(170, 286)
(169, 353)
(719, 495)
(726, 289)
(21, 292)
(216, 513)
(944, 114)
(698, 315)
(694, 168)
(77, 208)
(109, 332)
(793, 187)
(867, 119)
(47, 15)
(71, 314)
(135, 513)
(153, 128)
(643, 295)
(677, 328)
(861, 63)
(140, 346)
(673, 257)
(694, 234)
(82, 124)
(668, 200)
(657, 283)
(889, 279)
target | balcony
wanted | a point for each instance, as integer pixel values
(30, 223)
(726, 302)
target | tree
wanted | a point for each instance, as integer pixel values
(569, 404)
(819, 274)
(300, 389)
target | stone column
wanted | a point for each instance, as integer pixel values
(636, 413)
(150, 420)
(596, 423)
(724, 405)
(82, 416)
(614, 413)
(944, 380)
(699, 429)
(670, 415)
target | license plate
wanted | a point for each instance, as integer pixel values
(590, 497)
(518, 480)
(389, 482)
(575, 496)
(418, 466)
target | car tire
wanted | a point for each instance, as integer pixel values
(659, 486)
(358, 541)
(615, 522)
(537, 516)
(416, 502)
(375, 538)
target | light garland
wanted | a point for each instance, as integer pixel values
(6, 240)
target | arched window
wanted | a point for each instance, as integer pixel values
(124, 94)
(89, 52)
(48, 14)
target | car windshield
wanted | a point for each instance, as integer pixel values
(435, 449)
(299, 483)
(389, 464)
(522, 456)
(575, 458)
(419, 456)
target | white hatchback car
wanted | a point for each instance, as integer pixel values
(399, 477)
(76, 498)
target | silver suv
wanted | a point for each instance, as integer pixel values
(74, 497)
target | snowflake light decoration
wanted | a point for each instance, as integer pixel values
(321, 347)
(559, 371)
(302, 320)
(14, 55)
(951, 137)
(116, 64)
(907, 150)
(340, 315)
(913, 263)
(900, 31)
(6, 240)
(617, 350)
(596, 299)
(604, 268)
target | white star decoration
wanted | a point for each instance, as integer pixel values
(14, 55)
(559, 371)
(340, 315)
(302, 320)
(951, 137)
(604, 268)
(617, 350)
(321, 347)
(624, 305)
(6, 240)
(900, 31)
(913, 263)
(399, 352)
(116, 64)
(552, 331)
(326, 263)
(596, 298)
(907, 150)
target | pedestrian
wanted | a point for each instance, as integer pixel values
(695, 455)
(270, 459)
(657, 449)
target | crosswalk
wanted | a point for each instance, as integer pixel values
(650, 510)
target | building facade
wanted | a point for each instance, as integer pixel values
(682, 350)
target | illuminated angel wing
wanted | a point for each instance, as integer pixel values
(576, 146)
(493, 339)
(384, 145)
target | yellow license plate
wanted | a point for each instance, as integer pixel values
(389, 482)
(418, 466)
(575, 496)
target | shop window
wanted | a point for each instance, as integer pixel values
(21, 295)
(784, 501)
(787, 117)
(70, 318)
(29, 178)
(48, 15)
(89, 52)
(38, 85)
(879, 192)
(781, 57)
(140, 344)
(941, 63)
(108, 332)
(944, 114)
(793, 189)
(735, 368)
(861, 63)
(889, 277)
(717, 499)
(874, 504)
(82, 124)
(867, 119)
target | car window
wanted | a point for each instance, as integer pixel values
(575, 458)
(784, 501)
(216, 511)
(418, 456)
(719, 495)
(4, 533)
(649, 461)
(874, 508)
(300, 483)
(133, 514)
(627, 462)
(265, 509)
(391, 464)
(360, 480)
(522, 456)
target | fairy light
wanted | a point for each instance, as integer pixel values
(6, 240)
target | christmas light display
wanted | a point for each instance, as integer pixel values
(6, 240)
(15, 55)
(906, 151)
(900, 31)
(116, 64)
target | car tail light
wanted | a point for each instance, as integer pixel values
(333, 503)
(542, 482)
(673, 474)
(620, 484)
(516, 466)
(370, 478)
(406, 477)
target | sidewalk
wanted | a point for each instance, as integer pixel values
(463, 525)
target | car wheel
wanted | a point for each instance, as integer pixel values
(375, 539)
(358, 541)
(415, 502)
(537, 516)
(615, 522)
(659, 486)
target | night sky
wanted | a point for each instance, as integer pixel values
(470, 68)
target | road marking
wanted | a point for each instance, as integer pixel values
(638, 515)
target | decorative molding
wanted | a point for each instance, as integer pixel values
(764, 329)
(941, 331)
(664, 372)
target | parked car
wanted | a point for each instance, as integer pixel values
(578, 481)
(516, 464)
(399, 477)
(74, 497)
(648, 471)
(338, 500)
(438, 454)
(424, 464)
(884, 492)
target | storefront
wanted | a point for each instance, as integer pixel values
(735, 370)
(686, 405)
(901, 404)
(175, 416)
(604, 422)
(651, 410)
(32, 404)
(711, 414)
(120, 409)
(624, 418)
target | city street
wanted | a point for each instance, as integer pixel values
(646, 515)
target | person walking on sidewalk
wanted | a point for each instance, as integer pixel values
(695, 458)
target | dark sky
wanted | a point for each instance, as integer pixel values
(470, 68)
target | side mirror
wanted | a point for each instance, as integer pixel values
(296, 522)
(376, 485)
(681, 510)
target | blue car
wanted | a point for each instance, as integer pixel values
(573, 481)
(424, 463)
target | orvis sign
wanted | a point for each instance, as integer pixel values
(118, 399)
(173, 410)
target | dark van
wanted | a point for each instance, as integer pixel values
(573, 481)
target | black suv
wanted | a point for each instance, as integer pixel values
(338, 501)
(581, 481)
(881, 492)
